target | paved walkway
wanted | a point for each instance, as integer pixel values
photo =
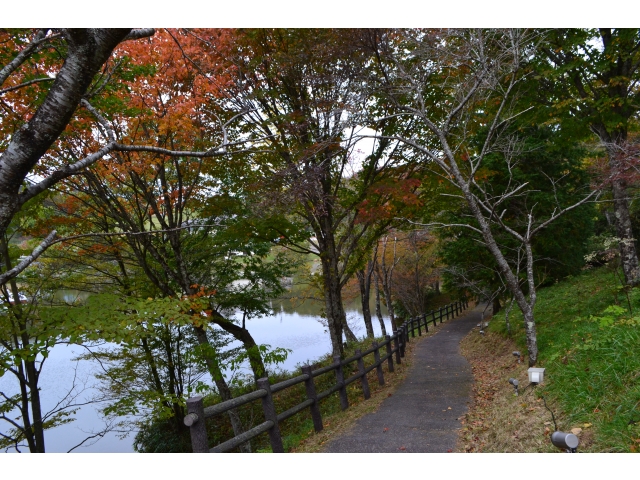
(422, 415)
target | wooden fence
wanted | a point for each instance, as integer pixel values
(393, 346)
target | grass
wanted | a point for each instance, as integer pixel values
(588, 341)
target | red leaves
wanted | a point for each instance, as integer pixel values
(388, 197)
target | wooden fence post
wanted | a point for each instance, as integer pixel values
(269, 410)
(402, 338)
(447, 310)
(197, 428)
(387, 339)
(363, 379)
(426, 323)
(376, 357)
(413, 331)
(396, 342)
(314, 408)
(419, 327)
(344, 400)
(440, 314)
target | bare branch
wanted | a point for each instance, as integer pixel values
(40, 38)
(46, 243)
(25, 84)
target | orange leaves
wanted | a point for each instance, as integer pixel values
(388, 197)
(169, 82)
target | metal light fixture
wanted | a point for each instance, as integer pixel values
(566, 441)
(517, 355)
(536, 375)
(515, 384)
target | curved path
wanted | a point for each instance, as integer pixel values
(422, 414)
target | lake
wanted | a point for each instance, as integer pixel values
(295, 327)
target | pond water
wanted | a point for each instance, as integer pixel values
(297, 328)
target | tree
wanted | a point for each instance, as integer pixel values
(589, 79)
(181, 220)
(558, 250)
(302, 92)
(417, 272)
(28, 332)
(384, 272)
(454, 83)
(31, 62)
(365, 276)
(46, 134)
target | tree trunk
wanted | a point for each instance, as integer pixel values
(249, 344)
(622, 221)
(221, 384)
(495, 307)
(364, 281)
(28, 371)
(334, 309)
(87, 50)
(378, 309)
(386, 292)
(511, 280)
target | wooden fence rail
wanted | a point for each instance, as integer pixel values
(394, 344)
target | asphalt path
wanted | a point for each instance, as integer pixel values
(423, 413)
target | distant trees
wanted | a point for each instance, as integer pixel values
(417, 274)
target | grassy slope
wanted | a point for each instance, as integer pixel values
(589, 344)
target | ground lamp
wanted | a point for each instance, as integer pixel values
(536, 375)
(517, 355)
(565, 441)
(515, 384)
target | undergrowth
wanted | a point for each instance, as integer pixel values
(589, 342)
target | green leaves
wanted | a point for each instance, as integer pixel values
(615, 315)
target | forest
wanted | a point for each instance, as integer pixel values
(178, 181)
